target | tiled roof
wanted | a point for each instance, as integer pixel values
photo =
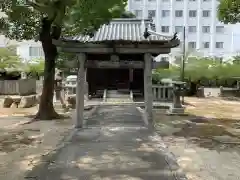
(121, 29)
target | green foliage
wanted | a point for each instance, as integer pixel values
(35, 66)
(8, 58)
(173, 72)
(236, 59)
(67, 62)
(23, 20)
(229, 11)
(127, 14)
(74, 16)
(197, 68)
(87, 16)
(45, 20)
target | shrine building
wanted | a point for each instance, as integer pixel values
(119, 56)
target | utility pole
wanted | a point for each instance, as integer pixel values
(183, 59)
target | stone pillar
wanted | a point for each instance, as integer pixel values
(80, 91)
(148, 95)
(176, 97)
(86, 85)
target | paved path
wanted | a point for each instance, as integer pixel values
(115, 146)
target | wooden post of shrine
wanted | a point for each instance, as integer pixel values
(148, 96)
(80, 91)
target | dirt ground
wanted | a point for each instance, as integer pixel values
(23, 144)
(207, 140)
(5, 112)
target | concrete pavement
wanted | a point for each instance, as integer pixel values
(116, 145)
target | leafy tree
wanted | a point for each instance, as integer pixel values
(8, 58)
(36, 66)
(197, 67)
(67, 62)
(229, 11)
(46, 20)
(203, 68)
(173, 72)
(236, 59)
(127, 14)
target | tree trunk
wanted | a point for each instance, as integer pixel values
(46, 109)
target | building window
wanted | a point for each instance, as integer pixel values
(192, 29)
(206, 0)
(206, 45)
(192, 45)
(179, 0)
(192, 13)
(178, 29)
(206, 13)
(192, 0)
(165, 29)
(138, 13)
(151, 14)
(219, 45)
(151, 0)
(165, 13)
(165, 0)
(138, 0)
(36, 51)
(219, 29)
(179, 13)
(206, 29)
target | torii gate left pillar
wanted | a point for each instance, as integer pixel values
(80, 90)
(148, 95)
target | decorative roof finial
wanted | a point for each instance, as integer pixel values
(174, 37)
(146, 34)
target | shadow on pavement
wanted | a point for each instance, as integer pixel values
(115, 145)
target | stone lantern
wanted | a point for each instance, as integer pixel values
(178, 89)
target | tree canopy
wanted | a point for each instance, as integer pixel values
(9, 58)
(229, 11)
(23, 20)
(201, 68)
(35, 66)
(45, 20)
(127, 14)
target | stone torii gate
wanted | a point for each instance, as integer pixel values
(127, 39)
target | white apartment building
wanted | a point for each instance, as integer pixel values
(29, 50)
(204, 33)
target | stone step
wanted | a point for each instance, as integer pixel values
(118, 100)
(117, 94)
